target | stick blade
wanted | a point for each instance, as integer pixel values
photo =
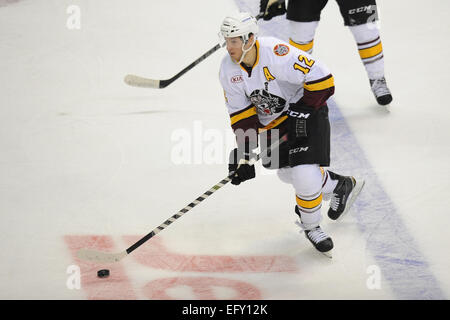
(99, 256)
(136, 81)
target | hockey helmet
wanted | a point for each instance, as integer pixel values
(241, 25)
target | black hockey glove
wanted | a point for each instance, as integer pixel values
(272, 8)
(244, 171)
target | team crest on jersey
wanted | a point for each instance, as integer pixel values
(236, 79)
(267, 103)
(281, 50)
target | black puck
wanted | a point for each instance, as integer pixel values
(104, 273)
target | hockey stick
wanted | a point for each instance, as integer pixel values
(106, 257)
(137, 81)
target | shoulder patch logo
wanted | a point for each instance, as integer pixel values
(236, 79)
(281, 50)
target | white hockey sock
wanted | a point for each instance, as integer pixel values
(310, 214)
(328, 184)
(307, 181)
(302, 34)
(367, 37)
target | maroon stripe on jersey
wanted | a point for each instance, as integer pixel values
(247, 123)
(316, 99)
(250, 131)
(319, 80)
(240, 111)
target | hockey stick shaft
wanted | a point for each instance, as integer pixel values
(165, 83)
(205, 195)
(137, 81)
(106, 257)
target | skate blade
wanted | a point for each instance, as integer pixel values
(353, 195)
(328, 254)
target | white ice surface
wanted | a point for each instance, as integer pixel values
(82, 153)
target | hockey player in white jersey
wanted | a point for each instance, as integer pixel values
(272, 89)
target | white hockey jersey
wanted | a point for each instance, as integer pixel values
(282, 74)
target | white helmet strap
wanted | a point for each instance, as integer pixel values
(244, 51)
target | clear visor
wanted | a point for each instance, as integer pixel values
(234, 42)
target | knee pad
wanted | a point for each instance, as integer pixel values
(307, 179)
(285, 175)
(302, 34)
(365, 32)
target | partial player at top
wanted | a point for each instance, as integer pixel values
(359, 16)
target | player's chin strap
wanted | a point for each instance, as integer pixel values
(244, 52)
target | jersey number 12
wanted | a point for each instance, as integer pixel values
(308, 62)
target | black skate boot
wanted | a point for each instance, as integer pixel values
(320, 240)
(344, 194)
(381, 91)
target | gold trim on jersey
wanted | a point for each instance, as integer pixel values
(371, 52)
(327, 82)
(309, 204)
(257, 57)
(273, 124)
(246, 113)
(304, 47)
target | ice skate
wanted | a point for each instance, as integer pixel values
(344, 194)
(320, 240)
(381, 91)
